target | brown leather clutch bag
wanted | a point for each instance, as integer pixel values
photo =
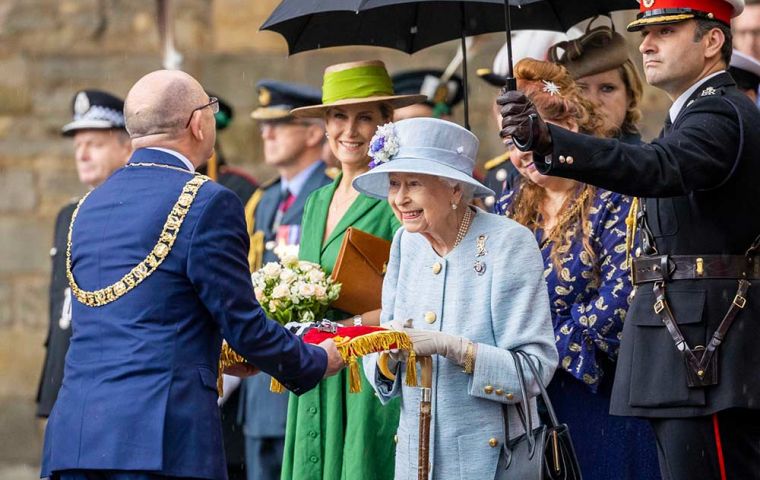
(360, 268)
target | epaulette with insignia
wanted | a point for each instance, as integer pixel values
(496, 161)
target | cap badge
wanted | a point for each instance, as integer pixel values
(264, 97)
(81, 103)
(648, 3)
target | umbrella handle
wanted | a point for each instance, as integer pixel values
(423, 451)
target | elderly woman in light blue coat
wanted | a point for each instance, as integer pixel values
(467, 286)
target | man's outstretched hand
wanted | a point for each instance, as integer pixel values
(521, 122)
(334, 361)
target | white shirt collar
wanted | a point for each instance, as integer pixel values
(182, 158)
(678, 105)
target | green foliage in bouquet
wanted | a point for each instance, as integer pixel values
(294, 290)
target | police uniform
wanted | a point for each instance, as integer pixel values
(689, 358)
(263, 413)
(93, 110)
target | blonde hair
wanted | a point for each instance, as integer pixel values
(634, 90)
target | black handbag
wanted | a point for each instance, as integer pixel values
(542, 453)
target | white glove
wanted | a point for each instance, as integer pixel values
(427, 343)
(396, 355)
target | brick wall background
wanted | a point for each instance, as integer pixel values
(51, 48)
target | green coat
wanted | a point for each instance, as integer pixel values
(332, 434)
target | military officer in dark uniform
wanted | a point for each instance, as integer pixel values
(293, 147)
(689, 357)
(442, 96)
(234, 178)
(101, 145)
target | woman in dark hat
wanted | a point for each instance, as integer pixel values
(599, 63)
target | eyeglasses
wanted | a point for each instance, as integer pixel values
(213, 103)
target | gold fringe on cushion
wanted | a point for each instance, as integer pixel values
(351, 349)
(411, 370)
(227, 358)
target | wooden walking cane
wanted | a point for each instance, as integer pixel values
(426, 381)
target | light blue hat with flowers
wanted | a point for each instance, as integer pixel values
(428, 146)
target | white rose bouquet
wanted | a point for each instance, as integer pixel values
(294, 290)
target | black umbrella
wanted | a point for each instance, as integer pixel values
(411, 25)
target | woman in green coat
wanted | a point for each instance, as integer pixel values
(333, 434)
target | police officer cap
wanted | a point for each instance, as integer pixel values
(95, 110)
(663, 12)
(277, 99)
(428, 83)
(745, 70)
(598, 50)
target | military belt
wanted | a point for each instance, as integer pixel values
(664, 268)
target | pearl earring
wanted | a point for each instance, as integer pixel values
(453, 206)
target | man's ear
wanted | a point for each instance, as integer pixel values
(714, 42)
(315, 136)
(195, 127)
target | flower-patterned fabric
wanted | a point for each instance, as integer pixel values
(589, 299)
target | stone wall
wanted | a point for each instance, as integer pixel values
(51, 48)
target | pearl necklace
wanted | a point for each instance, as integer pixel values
(463, 227)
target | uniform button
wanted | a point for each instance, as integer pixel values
(53, 251)
(570, 160)
(313, 459)
(313, 434)
(395, 439)
(430, 317)
(488, 389)
(493, 442)
(510, 396)
(499, 392)
(312, 410)
(437, 267)
(561, 159)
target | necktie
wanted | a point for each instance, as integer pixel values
(285, 204)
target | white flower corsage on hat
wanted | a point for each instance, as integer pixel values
(384, 145)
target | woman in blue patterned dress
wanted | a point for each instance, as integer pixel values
(581, 231)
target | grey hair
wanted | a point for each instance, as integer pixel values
(167, 113)
(468, 191)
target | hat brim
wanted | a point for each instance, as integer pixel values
(395, 101)
(375, 182)
(71, 128)
(266, 113)
(640, 23)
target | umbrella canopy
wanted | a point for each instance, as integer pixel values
(412, 25)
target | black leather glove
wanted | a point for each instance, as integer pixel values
(521, 121)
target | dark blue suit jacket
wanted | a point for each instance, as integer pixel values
(139, 389)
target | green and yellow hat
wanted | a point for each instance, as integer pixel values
(354, 83)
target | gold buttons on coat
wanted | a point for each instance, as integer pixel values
(488, 389)
(570, 160)
(430, 317)
(437, 267)
(561, 159)
(493, 442)
(395, 439)
(499, 392)
(510, 396)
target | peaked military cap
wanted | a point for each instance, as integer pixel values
(276, 99)
(663, 12)
(428, 83)
(96, 110)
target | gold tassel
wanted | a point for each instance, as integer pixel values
(411, 369)
(354, 380)
(630, 231)
(275, 386)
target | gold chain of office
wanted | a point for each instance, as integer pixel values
(146, 267)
